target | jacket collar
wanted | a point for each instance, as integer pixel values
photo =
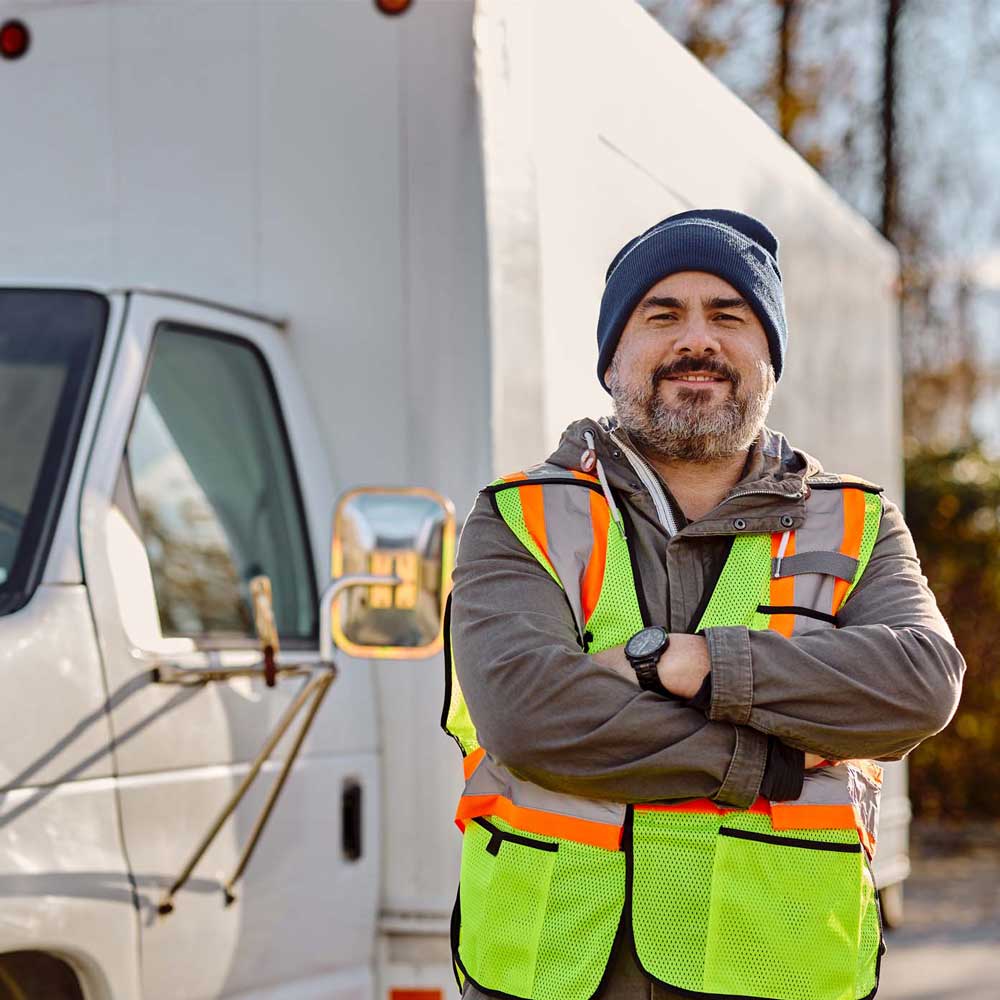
(771, 489)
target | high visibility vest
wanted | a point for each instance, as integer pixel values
(775, 901)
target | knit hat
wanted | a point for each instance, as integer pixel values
(736, 247)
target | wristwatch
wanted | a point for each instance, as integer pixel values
(643, 651)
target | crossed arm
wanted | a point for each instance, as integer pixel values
(875, 687)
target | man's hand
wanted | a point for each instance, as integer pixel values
(684, 665)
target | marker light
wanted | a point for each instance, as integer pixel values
(392, 6)
(14, 39)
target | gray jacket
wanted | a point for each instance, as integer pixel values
(888, 677)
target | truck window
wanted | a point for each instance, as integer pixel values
(216, 491)
(50, 341)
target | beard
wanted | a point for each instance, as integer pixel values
(697, 428)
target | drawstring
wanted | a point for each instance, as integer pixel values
(616, 515)
(781, 554)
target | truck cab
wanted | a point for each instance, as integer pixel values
(163, 455)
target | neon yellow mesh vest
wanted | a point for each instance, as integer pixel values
(776, 901)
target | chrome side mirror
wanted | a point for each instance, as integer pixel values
(391, 559)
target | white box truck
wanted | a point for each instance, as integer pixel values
(257, 252)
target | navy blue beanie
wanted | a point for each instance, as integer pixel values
(738, 248)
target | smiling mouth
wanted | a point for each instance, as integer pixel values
(696, 379)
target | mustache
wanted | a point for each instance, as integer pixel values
(700, 366)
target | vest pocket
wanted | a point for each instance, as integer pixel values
(671, 893)
(538, 916)
(504, 890)
(785, 915)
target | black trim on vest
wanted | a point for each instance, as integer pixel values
(498, 836)
(864, 487)
(881, 928)
(795, 609)
(456, 923)
(710, 586)
(634, 562)
(495, 488)
(446, 630)
(801, 843)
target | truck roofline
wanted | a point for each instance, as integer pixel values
(272, 319)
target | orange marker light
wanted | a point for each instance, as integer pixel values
(416, 995)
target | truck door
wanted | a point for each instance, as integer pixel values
(206, 472)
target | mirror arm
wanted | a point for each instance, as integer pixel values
(171, 673)
(332, 592)
(313, 690)
(319, 677)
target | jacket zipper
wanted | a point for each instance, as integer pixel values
(652, 484)
(761, 493)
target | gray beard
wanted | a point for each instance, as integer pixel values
(692, 431)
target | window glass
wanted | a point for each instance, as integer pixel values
(216, 490)
(50, 341)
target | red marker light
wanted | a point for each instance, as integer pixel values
(14, 39)
(392, 6)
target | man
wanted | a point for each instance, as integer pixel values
(674, 644)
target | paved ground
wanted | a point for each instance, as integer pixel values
(949, 947)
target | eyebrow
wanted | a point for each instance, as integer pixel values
(716, 302)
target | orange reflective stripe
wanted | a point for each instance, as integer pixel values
(854, 528)
(760, 805)
(582, 831)
(593, 576)
(789, 816)
(583, 475)
(471, 762)
(782, 589)
(533, 510)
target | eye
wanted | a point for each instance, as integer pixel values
(728, 318)
(664, 316)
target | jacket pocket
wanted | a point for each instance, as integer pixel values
(785, 915)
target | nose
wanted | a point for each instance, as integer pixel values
(696, 338)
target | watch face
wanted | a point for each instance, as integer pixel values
(646, 642)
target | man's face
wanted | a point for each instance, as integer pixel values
(691, 377)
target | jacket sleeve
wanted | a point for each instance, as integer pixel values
(552, 715)
(888, 677)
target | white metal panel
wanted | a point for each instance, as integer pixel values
(330, 222)
(301, 911)
(52, 712)
(183, 106)
(58, 167)
(64, 883)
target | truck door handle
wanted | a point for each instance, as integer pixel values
(350, 821)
